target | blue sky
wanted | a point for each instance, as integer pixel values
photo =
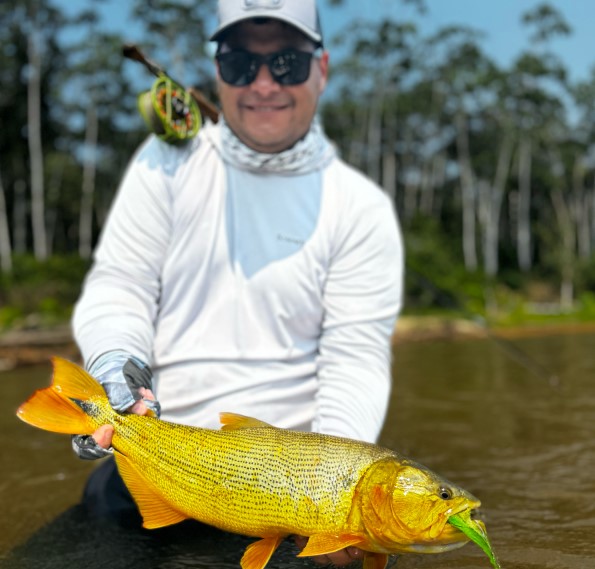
(504, 38)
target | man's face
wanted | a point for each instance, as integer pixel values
(264, 115)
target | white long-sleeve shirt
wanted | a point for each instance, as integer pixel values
(269, 295)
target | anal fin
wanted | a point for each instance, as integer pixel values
(257, 554)
(322, 543)
(155, 511)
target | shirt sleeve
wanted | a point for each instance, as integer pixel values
(362, 298)
(119, 302)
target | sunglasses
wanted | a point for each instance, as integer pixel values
(239, 67)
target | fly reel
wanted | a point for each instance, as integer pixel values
(173, 113)
(170, 111)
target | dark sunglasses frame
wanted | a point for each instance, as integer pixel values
(239, 67)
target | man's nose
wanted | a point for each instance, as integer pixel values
(264, 83)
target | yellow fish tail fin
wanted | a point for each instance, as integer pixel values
(257, 554)
(52, 408)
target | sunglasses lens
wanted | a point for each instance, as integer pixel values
(237, 68)
(288, 67)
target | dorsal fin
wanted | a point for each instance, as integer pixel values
(234, 422)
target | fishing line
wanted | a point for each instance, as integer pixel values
(509, 348)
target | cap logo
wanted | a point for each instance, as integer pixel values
(270, 4)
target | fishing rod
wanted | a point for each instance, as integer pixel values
(172, 112)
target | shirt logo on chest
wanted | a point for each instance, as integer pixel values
(289, 239)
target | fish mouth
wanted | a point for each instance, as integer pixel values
(471, 512)
(451, 533)
(473, 528)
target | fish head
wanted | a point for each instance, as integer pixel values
(405, 507)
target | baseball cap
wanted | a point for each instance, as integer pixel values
(301, 14)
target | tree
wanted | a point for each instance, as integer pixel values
(584, 133)
(28, 32)
(5, 248)
(176, 36)
(103, 97)
(534, 108)
(461, 76)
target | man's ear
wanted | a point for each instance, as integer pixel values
(323, 64)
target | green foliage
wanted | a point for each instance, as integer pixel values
(586, 306)
(435, 277)
(547, 21)
(40, 293)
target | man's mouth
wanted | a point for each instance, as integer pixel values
(266, 108)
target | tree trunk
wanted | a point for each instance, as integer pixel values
(389, 158)
(491, 206)
(567, 253)
(467, 192)
(35, 148)
(358, 142)
(524, 206)
(411, 187)
(19, 217)
(5, 248)
(437, 178)
(54, 190)
(389, 173)
(88, 189)
(581, 208)
(591, 207)
(375, 135)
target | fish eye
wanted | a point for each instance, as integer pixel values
(445, 493)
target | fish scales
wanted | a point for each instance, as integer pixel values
(304, 487)
(258, 480)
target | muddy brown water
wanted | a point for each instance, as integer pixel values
(463, 408)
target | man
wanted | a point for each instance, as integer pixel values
(252, 270)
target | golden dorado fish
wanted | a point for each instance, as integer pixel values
(254, 479)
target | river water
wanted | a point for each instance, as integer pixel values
(520, 442)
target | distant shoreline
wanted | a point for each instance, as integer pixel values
(424, 328)
(20, 348)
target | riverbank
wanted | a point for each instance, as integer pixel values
(36, 346)
(423, 328)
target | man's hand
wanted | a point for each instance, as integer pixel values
(98, 445)
(125, 379)
(338, 558)
(128, 384)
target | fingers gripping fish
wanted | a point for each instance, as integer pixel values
(257, 480)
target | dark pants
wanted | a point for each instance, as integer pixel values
(106, 495)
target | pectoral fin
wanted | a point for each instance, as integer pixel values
(155, 512)
(321, 544)
(375, 560)
(257, 554)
